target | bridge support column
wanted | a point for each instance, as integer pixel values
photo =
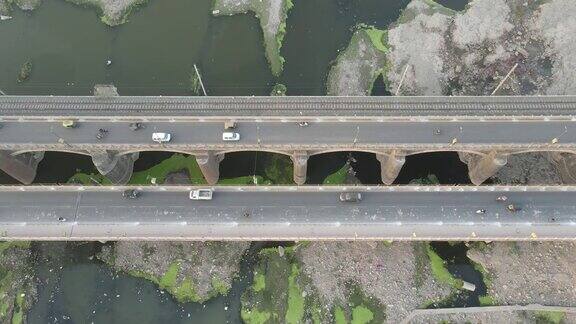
(300, 161)
(482, 167)
(117, 168)
(21, 167)
(209, 164)
(390, 165)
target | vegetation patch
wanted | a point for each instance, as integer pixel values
(280, 292)
(360, 308)
(547, 317)
(439, 270)
(158, 173)
(278, 90)
(338, 177)
(25, 72)
(279, 169)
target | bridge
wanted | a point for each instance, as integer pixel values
(289, 213)
(483, 130)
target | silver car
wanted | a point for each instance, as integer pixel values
(350, 196)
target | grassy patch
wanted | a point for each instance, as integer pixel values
(219, 286)
(379, 38)
(254, 316)
(339, 316)
(439, 270)
(295, 311)
(168, 280)
(486, 300)
(279, 169)
(361, 315)
(546, 317)
(259, 282)
(337, 177)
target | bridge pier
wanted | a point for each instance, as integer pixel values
(482, 167)
(117, 168)
(300, 161)
(21, 167)
(390, 165)
(209, 164)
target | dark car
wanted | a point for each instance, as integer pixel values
(351, 197)
(131, 194)
(136, 126)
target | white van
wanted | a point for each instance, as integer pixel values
(230, 136)
(161, 137)
(201, 194)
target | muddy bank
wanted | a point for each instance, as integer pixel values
(111, 12)
(528, 272)
(17, 282)
(191, 271)
(272, 15)
(345, 281)
(6, 6)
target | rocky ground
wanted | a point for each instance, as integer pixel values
(113, 12)
(398, 275)
(362, 282)
(471, 52)
(191, 271)
(529, 272)
(528, 169)
(17, 282)
(272, 15)
(359, 64)
(432, 50)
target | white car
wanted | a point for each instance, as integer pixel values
(201, 194)
(230, 136)
(161, 137)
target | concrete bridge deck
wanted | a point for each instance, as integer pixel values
(483, 130)
(289, 213)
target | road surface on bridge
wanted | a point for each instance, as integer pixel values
(289, 213)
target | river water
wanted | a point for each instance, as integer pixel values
(153, 54)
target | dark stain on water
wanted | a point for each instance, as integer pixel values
(461, 267)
